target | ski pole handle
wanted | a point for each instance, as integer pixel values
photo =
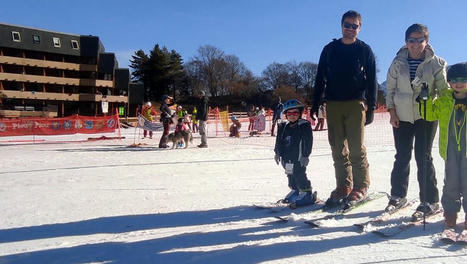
(424, 92)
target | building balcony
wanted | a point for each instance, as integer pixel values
(54, 80)
(63, 96)
(47, 64)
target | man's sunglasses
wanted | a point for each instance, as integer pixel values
(416, 40)
(458, 80)
(349, 25)
(292, 113)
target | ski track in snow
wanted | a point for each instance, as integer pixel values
(103, 202)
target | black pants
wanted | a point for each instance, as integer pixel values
(298, 179)
(404, 137)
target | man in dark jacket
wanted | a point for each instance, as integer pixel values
(346, 80)
(166, 119)
(202, 117)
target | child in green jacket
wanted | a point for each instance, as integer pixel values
(450, 109)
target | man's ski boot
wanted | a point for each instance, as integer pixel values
(290, 197)
(337, 197)
(303, 199)
(425, 208)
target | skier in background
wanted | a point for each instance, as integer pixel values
(194, 119)
(166, 119)
(149, 114)
(276, 115)
(235, 127)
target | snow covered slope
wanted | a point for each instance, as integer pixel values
(104, 202)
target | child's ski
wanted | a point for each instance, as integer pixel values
(462, 238)
(274, 207)
(318, 206)
(345, 209)
(281, 206)
(449, 236)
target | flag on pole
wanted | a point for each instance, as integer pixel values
(148, 125)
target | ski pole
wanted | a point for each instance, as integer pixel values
(424, 97)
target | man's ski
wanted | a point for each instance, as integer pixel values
(345, 209)
(385, 216)
(391, 231)
(450, 236)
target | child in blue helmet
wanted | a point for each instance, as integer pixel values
(235, 127)
(294, 141)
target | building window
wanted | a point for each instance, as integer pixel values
(56, 42)
(16, 36)
(75, 44)
(36, 39)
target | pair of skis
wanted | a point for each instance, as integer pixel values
(379, 225)
(383, 217)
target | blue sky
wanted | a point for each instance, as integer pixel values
(258, 32)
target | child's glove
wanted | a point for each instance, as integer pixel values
(304, 161)
(277, 158)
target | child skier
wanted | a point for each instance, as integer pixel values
(235, 127)
(450, 108)
(294, 141)
(179, 128)
(149, 114)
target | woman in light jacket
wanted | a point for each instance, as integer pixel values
(414, 65)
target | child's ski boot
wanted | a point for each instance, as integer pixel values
(290, 197)
(303, 199)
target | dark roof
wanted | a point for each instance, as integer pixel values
(86, 45)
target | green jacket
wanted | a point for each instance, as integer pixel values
(441, 109)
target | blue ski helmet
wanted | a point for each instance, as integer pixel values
(292, 104)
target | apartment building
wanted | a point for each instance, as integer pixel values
(53, 74)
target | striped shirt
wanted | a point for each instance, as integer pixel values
(413, 64)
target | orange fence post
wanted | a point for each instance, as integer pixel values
(118, 124)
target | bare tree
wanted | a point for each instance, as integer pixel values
(275, 75)
(307, 72)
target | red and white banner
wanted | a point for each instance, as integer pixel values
(58, 126)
